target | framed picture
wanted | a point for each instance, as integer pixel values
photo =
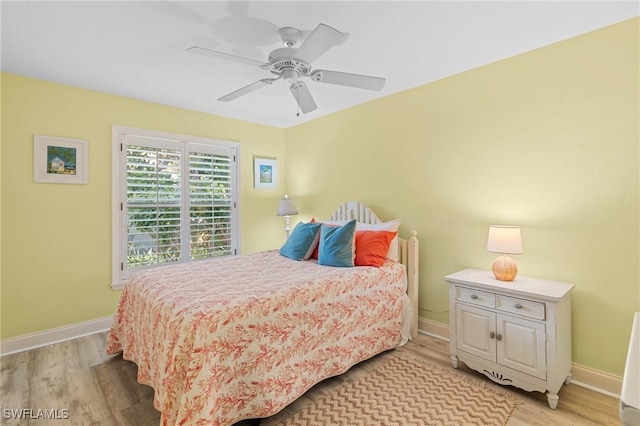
(265, 172)
(60, 160)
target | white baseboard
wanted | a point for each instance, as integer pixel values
(598, 381)
(433, 329)
(595, 380)
(54, 335)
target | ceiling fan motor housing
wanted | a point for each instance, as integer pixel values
(283, 59)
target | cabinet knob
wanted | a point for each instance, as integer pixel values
(473, 296)
(518, 306)
(492, 335)
(499, 337)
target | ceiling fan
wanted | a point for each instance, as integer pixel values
(293, 63)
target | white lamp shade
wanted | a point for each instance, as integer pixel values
(504, 239)
(286, 207)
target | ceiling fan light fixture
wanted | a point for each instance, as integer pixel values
(290, 74)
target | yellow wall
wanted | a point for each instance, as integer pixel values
(547, 140)
(56, 239)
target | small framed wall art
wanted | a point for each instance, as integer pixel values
(265, 172)
(60, 160)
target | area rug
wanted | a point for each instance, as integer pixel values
(406, 391)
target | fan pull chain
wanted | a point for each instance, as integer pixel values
(297, 102)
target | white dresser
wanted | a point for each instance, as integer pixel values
(516, 333)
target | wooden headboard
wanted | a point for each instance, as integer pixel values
(408, 255)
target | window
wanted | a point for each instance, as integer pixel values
(174, 200)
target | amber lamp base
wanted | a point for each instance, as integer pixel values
(504, 268)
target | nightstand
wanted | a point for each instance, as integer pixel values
(516, 333)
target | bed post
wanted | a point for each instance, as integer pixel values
(412, 279)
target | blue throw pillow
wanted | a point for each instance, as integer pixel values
(336, 245)
(302, 241)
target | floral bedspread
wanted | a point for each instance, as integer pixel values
(240, 337)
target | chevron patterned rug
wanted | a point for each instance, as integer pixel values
(406, 391)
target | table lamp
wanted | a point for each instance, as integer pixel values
(504, 240)
(287, 209)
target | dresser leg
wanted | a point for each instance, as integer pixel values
(454, 361)
(552, 399)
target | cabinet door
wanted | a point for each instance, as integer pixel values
(522, 345)
(474, 328)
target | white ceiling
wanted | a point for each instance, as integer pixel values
(138, 49)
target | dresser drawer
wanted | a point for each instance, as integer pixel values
(526, 308)
(476, 297)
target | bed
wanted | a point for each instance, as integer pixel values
(241, 337)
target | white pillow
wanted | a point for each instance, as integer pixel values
(330, 222)
(391, 225)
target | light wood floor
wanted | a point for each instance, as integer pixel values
(100, 389)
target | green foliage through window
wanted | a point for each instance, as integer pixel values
(155, 186)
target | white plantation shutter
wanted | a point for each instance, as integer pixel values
(153, 205)
(210, 202)
(175, 200)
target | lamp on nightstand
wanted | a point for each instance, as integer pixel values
(287, 209)
(504, 240)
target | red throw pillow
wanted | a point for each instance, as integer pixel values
(314, 255)
(372, 247)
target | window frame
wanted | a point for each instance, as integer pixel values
(120, 274)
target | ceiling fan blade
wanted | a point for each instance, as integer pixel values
(347, 79)
(246, 89)
(227, 56)
(303, 97)
(318, 42)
